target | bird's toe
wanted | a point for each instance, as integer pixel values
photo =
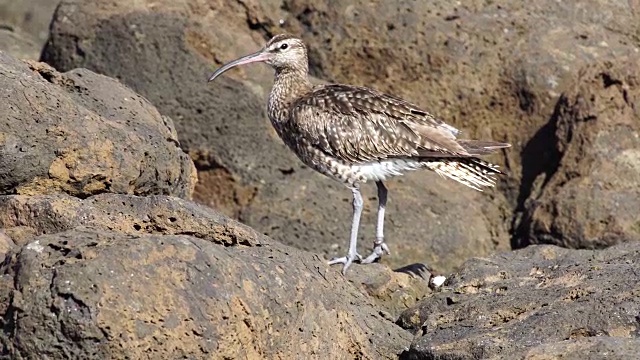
(346, 261)
(378, 251)
(385, 248)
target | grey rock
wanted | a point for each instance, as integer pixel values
(18, 44)
(539, 301)
(24, 218)
(24, 26)
(173, 279)
(83, 134)
(588, 197)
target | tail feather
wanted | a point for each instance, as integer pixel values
(472, 172)
(480, 147)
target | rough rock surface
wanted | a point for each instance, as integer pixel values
(119, 276)
(18, 44)
(589, 196)
(23, 218)
(244, 170)
(541, 302)
(6, 243)
(167, 55)
(31, 16)
(87, 134)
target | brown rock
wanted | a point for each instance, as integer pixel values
(531, 303)
(20, 234)
(588, 197)
(6, 243)
(83, 134)
(24, 218)
(18, 44)
(24, 26)
(33, 216)
(586, 348)
(393, 291)
(245, 171)
(174, 279)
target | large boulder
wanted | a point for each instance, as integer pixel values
(24, 218)
(82, 133)
(244, 169)
(167, 54)
(541, 302)
(589, 196)
(121, 276)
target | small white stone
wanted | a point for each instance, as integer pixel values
(437, 281)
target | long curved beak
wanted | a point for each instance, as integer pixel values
(251, 58)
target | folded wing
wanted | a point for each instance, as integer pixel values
(359, 125)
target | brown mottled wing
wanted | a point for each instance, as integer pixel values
(358, 124)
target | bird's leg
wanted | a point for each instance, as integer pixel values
(379, 246)
(352, 254)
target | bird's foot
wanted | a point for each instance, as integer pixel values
(379, 248)
(346, 260)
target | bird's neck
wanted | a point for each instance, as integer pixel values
(289, 85)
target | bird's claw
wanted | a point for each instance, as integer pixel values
(346, 260)
(378, 250)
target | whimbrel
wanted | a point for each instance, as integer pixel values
(355, 134)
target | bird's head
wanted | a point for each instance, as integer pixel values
(282, 52)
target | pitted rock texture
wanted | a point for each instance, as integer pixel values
(117, 276)
(541, 302)
(83, 134)
(588, 196)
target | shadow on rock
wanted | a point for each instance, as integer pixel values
(586, 195)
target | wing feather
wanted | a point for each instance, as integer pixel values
(358, 124)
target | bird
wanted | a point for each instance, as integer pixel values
(355, 134)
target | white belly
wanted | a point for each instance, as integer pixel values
(382, 170)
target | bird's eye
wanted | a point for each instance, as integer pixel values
(284, 46)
